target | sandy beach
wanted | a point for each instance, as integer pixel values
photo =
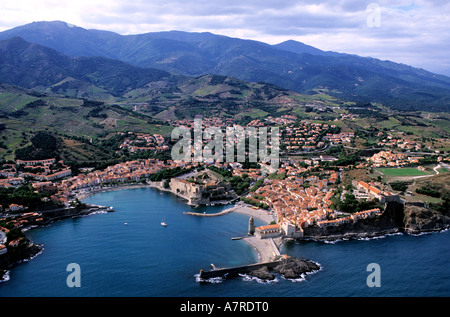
(267, 249)
(260, 214)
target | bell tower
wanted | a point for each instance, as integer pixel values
(251, 227)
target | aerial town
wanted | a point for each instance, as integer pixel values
(301, 193)
(161, 149)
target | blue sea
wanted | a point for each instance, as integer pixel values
(128, 253)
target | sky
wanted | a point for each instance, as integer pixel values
(415, 33)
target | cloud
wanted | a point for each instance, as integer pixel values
(411, 31)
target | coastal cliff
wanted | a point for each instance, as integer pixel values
(25, 251)
(420, 219)
(395, 218)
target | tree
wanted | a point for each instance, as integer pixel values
(350, 203)
(43, 146)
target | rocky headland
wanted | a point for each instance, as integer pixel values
(396, 218)
(26, 251)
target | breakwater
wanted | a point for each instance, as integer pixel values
(221, 213)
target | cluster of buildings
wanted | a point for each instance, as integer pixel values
(308, 136)
(283, 120)
(12, 208)
(349, 219)
(299, 202)
(339, 138)
(63, 187)
(297, 209)
(389, 159)
(400, 143)
(364, 190)
(296, 201)
(256, 123)
(22, 220)
(225, 122)
(131, 171)
(37, 170)
(143, 142)
(304, 136)
(206, 122)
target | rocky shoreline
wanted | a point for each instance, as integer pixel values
(290, 268)
(396, 219)
(24, 253)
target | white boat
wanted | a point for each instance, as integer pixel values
(163, 223)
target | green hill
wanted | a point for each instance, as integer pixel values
(40, 68)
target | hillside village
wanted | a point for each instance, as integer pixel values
(137, 142)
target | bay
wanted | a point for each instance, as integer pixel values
(128, 253)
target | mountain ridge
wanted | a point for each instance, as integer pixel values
(159, 93)
(34, 66)
(292, 65)
(299, 48)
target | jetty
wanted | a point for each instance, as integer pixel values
(221, 213)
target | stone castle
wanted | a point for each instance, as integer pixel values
(203, 193)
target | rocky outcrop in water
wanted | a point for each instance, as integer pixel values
(294, 267)
(290, 268)
(263, 274)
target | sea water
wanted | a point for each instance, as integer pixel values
(128, 253)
